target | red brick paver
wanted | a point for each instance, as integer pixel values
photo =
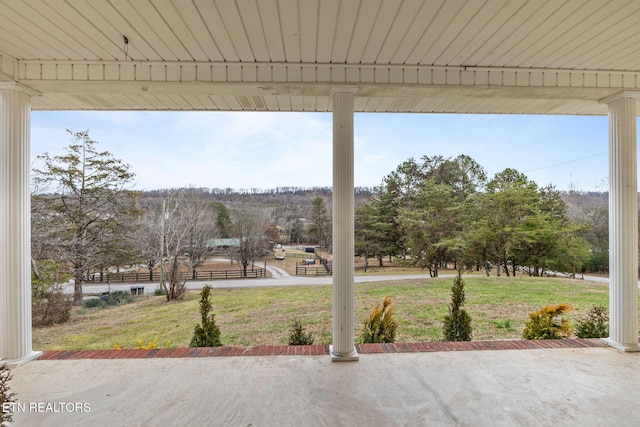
(319, 349)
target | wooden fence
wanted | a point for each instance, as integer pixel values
(325, 270)
(135, 277)
(313, 271)
(298, 255)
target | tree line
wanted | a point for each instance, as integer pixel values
(441, 210)
(438, 210)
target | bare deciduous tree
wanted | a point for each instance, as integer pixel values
(250, 229)
(188, 225)
(148, 237)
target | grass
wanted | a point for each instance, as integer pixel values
(498, 306)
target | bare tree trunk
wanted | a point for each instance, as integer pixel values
(173, 279)
(77, 287)
(244, 268)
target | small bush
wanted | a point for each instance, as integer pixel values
(457, 324)
(94, 302)
(380, 326)
(52, 309)
(548, 323)
(6, 397)
(49, 305)
(159, 292)
(298, 336)
(117, 298)
(206, 334)
(108, 300)
(595, 324)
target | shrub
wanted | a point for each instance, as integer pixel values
(297, 334)
(94, 302)
(206, 334)
(457, 324)
(117, 298)
(52, 309)
(49, 305)
(109, 299)
(380, 326)
(548, 323)
(6, 397)
(595, 324)
(159, 292)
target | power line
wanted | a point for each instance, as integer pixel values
(564, 163)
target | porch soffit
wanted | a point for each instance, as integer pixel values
(495, 56)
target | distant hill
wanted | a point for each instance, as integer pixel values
(289, 198)
(299, 198)
(581, 202)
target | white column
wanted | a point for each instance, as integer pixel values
(623, 223)
(15, 229)
(343, 348)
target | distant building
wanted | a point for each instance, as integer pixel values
(223, 245)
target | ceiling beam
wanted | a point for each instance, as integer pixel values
(271, 72)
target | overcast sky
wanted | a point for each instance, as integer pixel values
(244, 150)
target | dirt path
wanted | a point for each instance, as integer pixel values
(277, 272)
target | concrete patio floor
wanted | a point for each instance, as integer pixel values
(585, 386)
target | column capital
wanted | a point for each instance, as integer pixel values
(625, 94)
(19, 87)
(344, 88)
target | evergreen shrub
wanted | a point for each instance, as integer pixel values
(380, 326)
(297, 334)
(595, 324)
(457, 324)
(207, 334)
(548, 323)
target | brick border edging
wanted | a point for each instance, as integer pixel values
(318, 350)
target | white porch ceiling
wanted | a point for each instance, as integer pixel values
(454, 56)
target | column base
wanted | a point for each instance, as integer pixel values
(350, 357)
(14, 363)
(630, 348)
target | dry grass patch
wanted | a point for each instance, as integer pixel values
(262, 316)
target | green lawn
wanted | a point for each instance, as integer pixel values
(262, 316)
